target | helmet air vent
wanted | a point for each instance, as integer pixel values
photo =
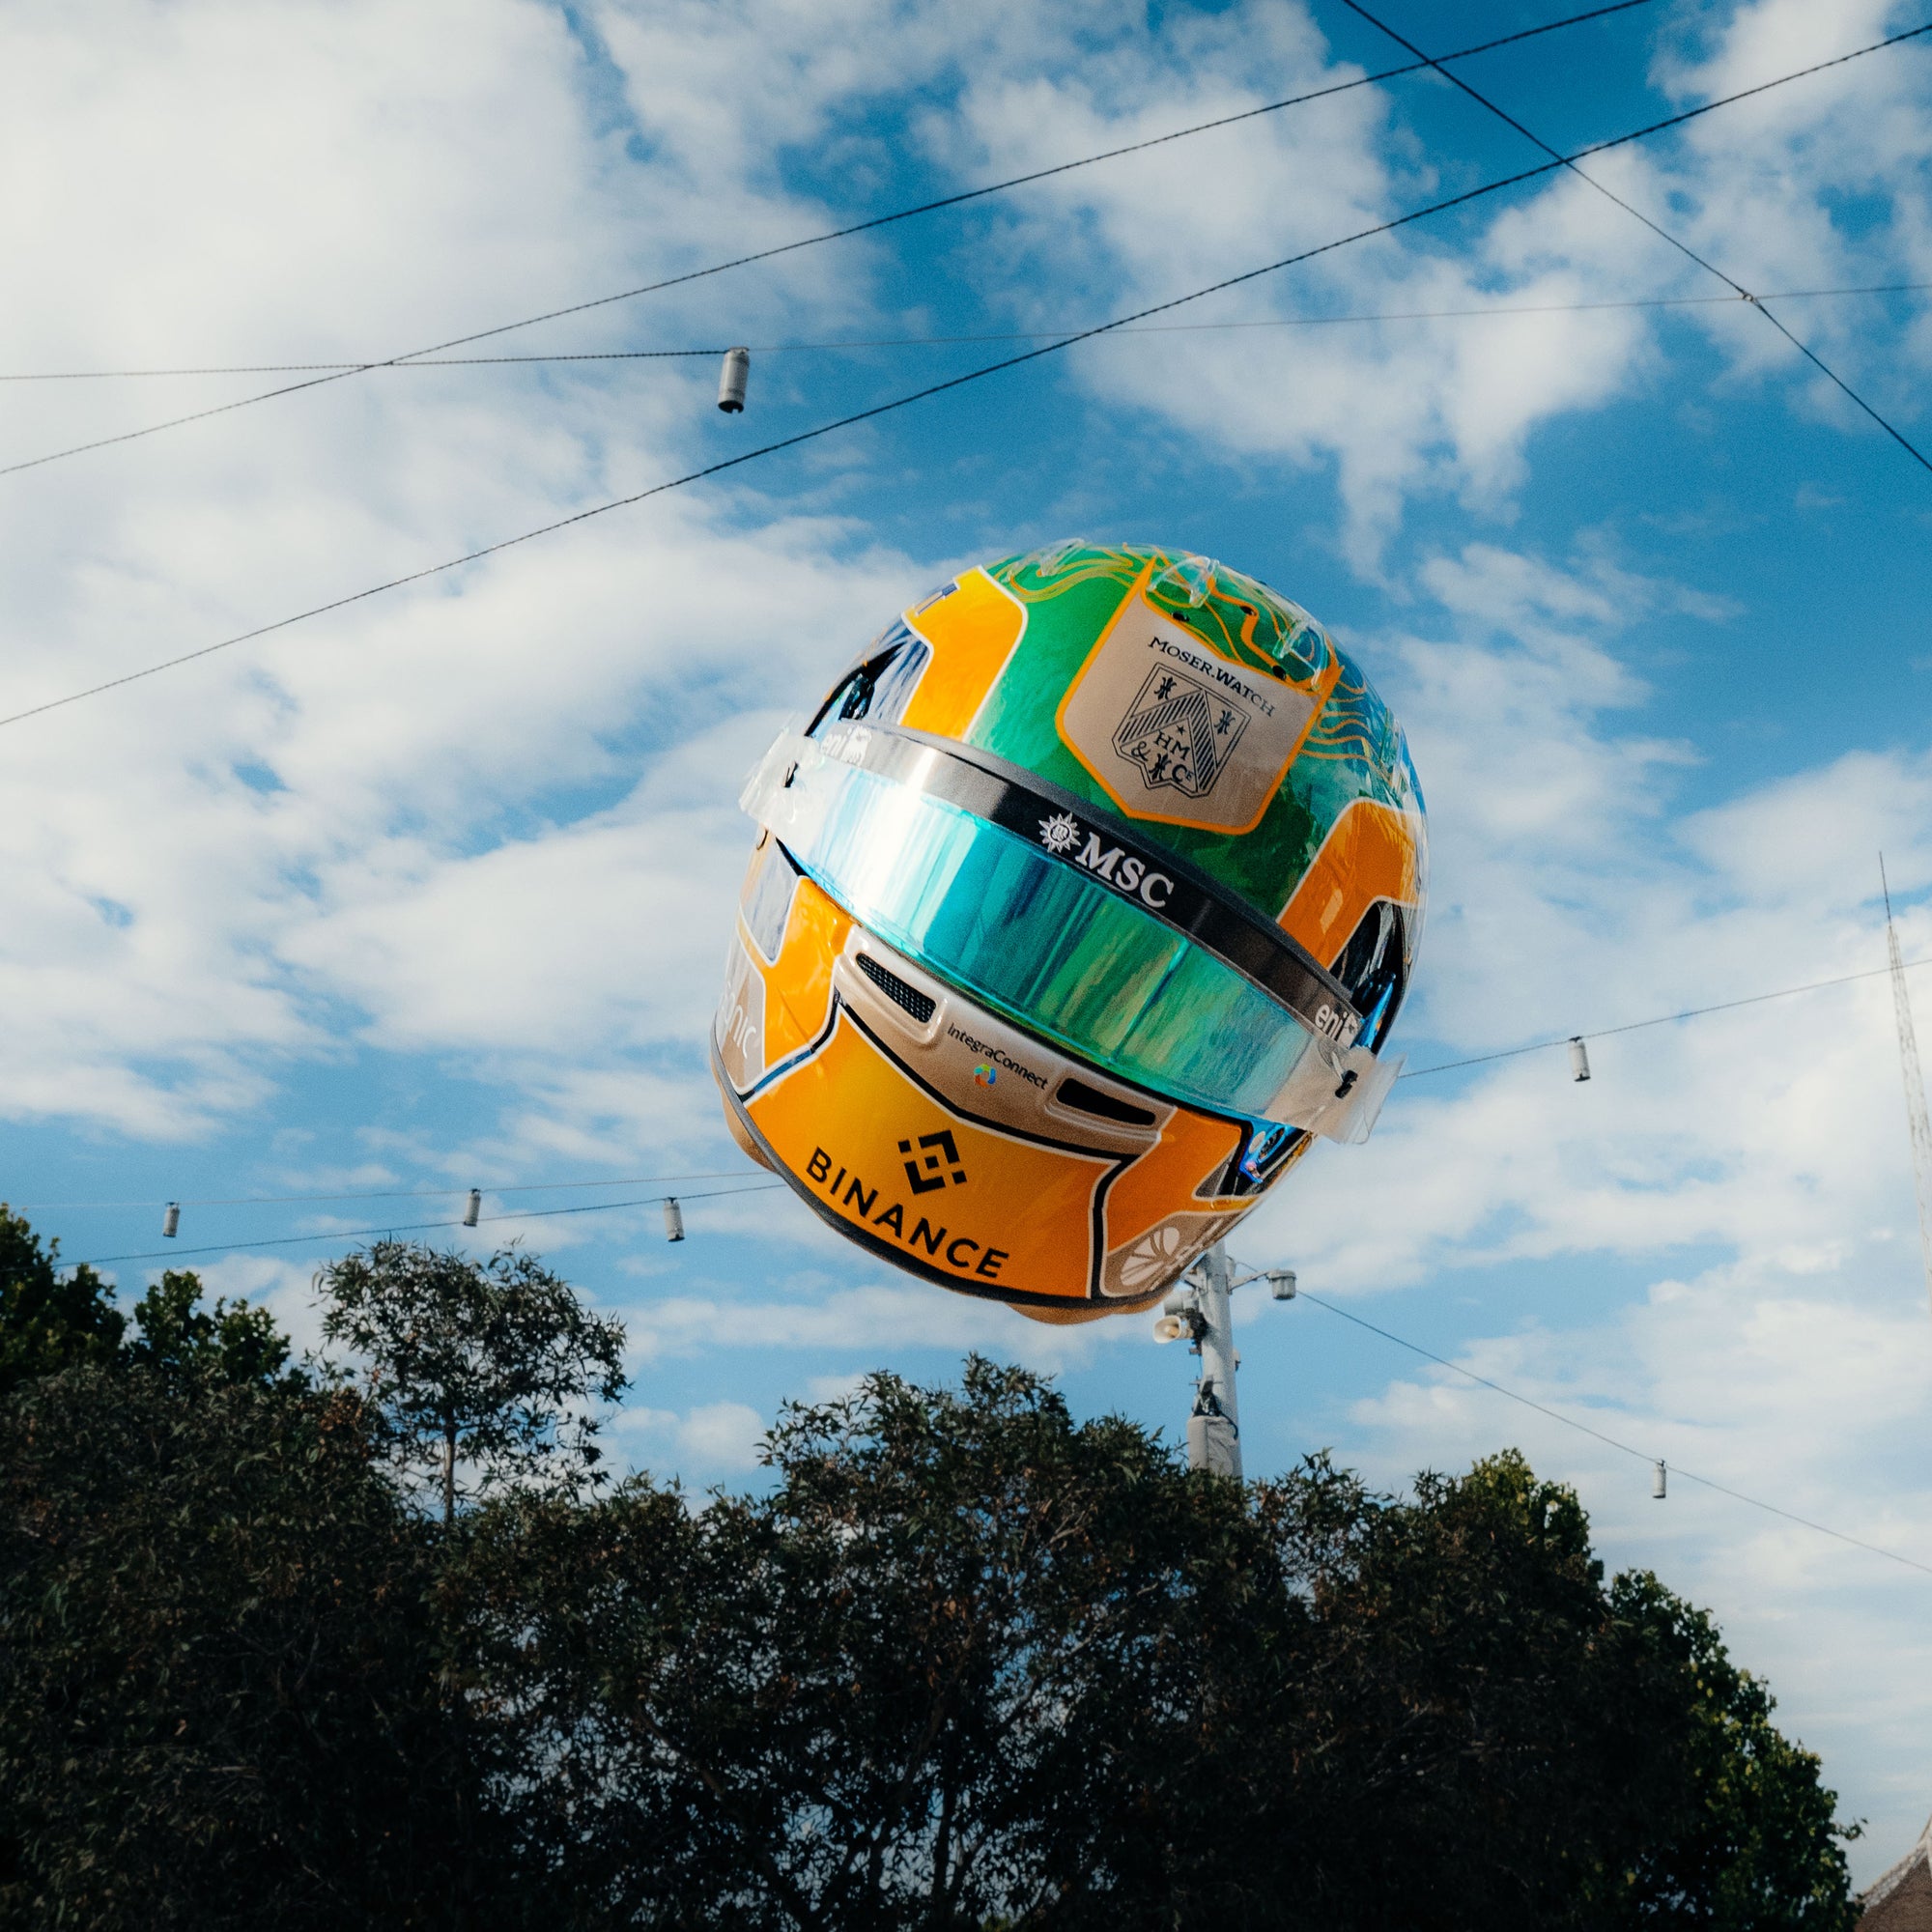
(919, 1004)
(1103, 1106)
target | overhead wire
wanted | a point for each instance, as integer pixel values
(720, 1174)
(725, 1174)
(1660, 1020)
(419, 1227)
(1627, 1449)
(389, 1194)
(835, 343)
(877, 409)
(828, 234)
(1681, 246)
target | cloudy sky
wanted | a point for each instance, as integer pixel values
(432, 891)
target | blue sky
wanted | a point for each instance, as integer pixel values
(432, 892)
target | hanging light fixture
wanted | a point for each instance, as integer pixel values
(732, 376)
(472, 1208)
(1657, 1482)
(1580, 1059)
(171, 1219)
(673, 1219)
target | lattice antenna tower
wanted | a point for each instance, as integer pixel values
(1914, 1082)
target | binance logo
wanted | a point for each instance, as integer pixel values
(936, 1163)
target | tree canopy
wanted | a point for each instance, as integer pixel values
(486, 1366)
(48, 1321)
(962, 1660)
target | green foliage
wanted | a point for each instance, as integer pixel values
(231, 1343)
(47, 1323)
(967, 1664)
(220, 1691)
(480, 1366)
(962, 1663)
(933, 1678)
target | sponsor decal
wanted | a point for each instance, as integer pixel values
(1176, 732)
(1127, 874)
(937, 1161)
(938, 1242)
(1180, 734)
(1060, 834)
(996, 1061)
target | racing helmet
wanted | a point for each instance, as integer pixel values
(1081, 906)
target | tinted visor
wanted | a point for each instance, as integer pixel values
(1037, 940)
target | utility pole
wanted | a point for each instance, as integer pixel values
(1214, 1428)
(1914, 1082)
(1203, 1310)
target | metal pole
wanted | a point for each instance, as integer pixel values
(1214, 1428)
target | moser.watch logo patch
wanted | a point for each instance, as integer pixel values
(1177, 734)
(928, 1236)
(1180, 734)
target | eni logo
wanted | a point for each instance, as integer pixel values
(984, 1076)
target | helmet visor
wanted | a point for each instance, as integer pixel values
(1037, 940)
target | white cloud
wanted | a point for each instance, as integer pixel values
(489, 820)
(719, 1436)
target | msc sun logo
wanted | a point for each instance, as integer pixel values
(1061, 834)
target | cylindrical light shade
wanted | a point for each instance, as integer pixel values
(1657, 1483)
(171, 1219)
(731, 380)
(673, 1220)
(472, 1208)
(1281, 1284)
(1580, 1059)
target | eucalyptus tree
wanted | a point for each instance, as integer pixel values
(491, 1366)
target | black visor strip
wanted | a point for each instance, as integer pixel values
(1096, 845)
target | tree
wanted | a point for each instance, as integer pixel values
(46, 1321)
(223, 1698)
(937, 1677)
(1482, 1732)
(962, 1663)
(234, 1342)
(488, 1365)
(969, 1662)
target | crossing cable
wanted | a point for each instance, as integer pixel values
(385, 1194)
(1461, 200)
(419, 1227)
(1682, 247)
(829, 235)
(728, 1174)
(1661, 1019)
(1642, 1455)
(837, 343)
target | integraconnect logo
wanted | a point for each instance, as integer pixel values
(996, 1061)
(849, 1194)
(1121, 870)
